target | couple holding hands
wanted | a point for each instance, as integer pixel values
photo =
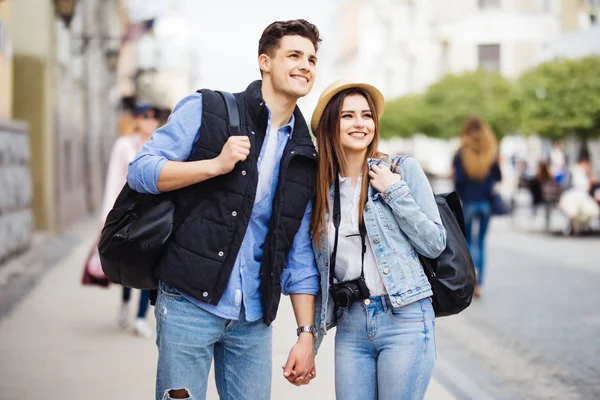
(338, 228)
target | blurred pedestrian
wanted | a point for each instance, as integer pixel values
(123, 152)
(372, 281)
(558, 162)
(245, 203)
(476, 171)
(577, 202)
(545, 191)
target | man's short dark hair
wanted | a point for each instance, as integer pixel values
(269, 41)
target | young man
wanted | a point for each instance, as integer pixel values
(245, 203)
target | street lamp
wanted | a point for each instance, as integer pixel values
(65, 10)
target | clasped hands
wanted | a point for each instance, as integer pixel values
(300, 366)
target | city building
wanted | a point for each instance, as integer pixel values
(403, 46)
(16, 217)
(159, 64)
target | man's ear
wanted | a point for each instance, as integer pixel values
(264, 63)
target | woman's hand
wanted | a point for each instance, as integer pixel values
(382, 178)
(300, 366)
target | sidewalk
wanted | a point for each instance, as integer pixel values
(62, 342)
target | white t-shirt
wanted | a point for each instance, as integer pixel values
(579, 179)
(349, 251)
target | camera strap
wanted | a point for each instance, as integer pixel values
(337, 217)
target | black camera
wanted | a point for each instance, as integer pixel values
(346, 293)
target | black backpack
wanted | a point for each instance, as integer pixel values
(138, 228)
(452, 273)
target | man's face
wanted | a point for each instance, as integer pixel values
(292, 68)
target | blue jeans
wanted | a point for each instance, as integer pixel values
(481, 212)
(144, 301)
(188, 338)
(384, 353)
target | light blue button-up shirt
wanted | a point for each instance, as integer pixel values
(175, 141)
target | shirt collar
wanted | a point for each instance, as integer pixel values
(287, 129)
(347, 179)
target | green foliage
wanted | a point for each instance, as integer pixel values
(441, 111)
(554, 99)
(561, 97)
(482, 93)
(406, 116)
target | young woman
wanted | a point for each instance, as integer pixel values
(124, 150)
(476, 171)
(368, 225)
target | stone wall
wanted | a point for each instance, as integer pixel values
(16, 218)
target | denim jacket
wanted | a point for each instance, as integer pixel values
(402, 222)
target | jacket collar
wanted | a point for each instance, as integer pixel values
(259, 113)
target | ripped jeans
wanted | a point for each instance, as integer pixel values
(188, 338)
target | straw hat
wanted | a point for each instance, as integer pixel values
(338, 86)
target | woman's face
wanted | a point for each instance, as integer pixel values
(357, 127)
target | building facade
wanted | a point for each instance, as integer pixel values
(405, 45)
(63, 87)
(16, 217)
(158, 65)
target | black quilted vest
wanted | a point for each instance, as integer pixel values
(216, 212)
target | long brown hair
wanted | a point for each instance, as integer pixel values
(479, 148)
(332, 158)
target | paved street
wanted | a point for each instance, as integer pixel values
(61, 342)
(533, 334)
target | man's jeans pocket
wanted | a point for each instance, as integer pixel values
(169, 291)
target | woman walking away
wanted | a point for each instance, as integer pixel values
(368, 225)
(476, 171)
(124, 150)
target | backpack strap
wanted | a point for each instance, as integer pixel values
(397, 163)
(233, 112)
(233, 123)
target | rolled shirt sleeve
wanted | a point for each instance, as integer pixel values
(174, 141)
(301, 275)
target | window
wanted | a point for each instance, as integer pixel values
(445, 58)
(594, 10)
(488, 4)
(489, 56)
(546, 5)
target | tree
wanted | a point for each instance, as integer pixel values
(561, 97)
(406, 116)
(484, 93)
(441, 111)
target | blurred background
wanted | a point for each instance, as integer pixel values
(73, 71)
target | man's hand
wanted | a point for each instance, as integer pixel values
(382, 178)
(237, 148)
(300, 366)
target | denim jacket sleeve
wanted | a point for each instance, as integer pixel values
(415, 210)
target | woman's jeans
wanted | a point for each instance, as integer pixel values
(384, 353)
(144, 301)
(188, 338)
(481, 212)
